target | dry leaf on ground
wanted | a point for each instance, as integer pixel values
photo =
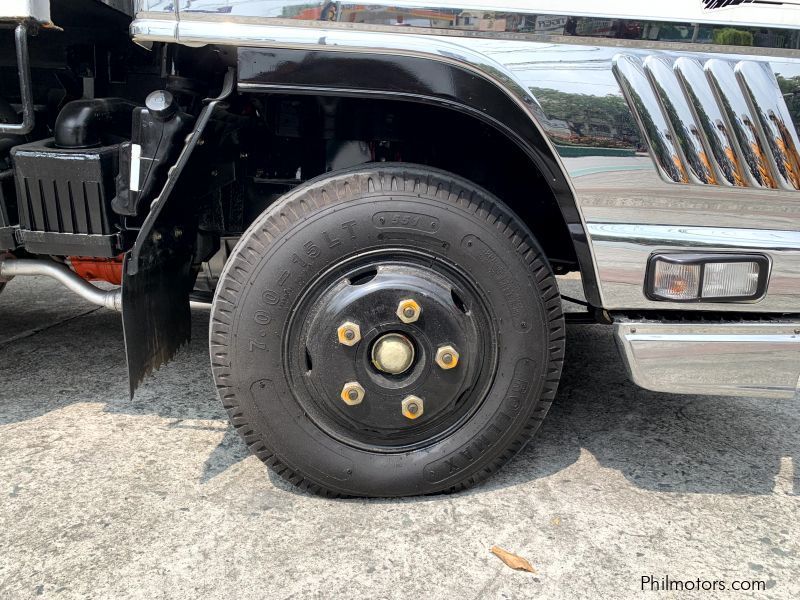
(512, 560)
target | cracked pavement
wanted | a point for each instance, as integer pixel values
(104, 497)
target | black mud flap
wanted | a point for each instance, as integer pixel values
(157, 274)
(156, 317)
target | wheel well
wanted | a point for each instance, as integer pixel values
(292, 138)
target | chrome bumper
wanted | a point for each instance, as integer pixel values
(744, 359)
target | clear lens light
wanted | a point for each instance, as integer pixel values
(730, 280)
(678, 282)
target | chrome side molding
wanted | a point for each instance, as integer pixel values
(718, 123)
(727, 359)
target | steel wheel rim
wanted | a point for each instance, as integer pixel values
(356, 425)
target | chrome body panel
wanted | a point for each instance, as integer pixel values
(685, 11)
(159, 28)
(742, 359)
(693, 150)
(18, 10)
(774, 122)
(723, 142)
(651, 118)
(622, 251)
(745, 136)
(748, 145)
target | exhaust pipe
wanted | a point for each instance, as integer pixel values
(25, 88)
(14, 267)
(112, 299)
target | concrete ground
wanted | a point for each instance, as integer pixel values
(104, 497)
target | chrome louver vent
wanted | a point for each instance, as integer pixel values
(718, 123)
(711, 4)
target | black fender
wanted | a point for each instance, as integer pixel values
(421, 79)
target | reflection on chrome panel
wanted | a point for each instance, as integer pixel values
(749, 144)
(764, 95)
(644, 101)
(713, 123)
(676, 107)
(757, 138)
(660, 23)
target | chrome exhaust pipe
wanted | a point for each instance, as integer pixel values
(16, 267)
(112, 299)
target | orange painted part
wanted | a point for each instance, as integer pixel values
(98, 269)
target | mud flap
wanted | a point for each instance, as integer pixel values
(156, 317)
(157, 274)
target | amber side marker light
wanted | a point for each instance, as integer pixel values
(707, 277)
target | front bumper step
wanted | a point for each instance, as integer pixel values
(756, 359)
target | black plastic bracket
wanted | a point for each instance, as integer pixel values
(157, 278)
(8, 238)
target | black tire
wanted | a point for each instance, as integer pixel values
(264, 306)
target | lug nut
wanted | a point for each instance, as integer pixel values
(352, 393)
(408, 311)
(412, 407)
(349, 334)
(447, 357)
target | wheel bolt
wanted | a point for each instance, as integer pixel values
(408, 311)
(413, 407)
(352, 393)
(447, 357)
(349, 334)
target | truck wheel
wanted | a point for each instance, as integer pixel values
(388, 330)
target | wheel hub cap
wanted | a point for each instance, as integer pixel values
(393, 353)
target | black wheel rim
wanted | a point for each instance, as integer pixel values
(367, 290)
